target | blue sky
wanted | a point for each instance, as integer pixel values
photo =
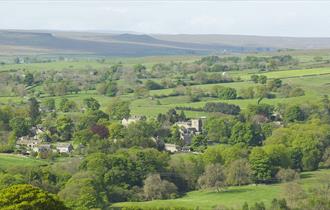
(272, 18)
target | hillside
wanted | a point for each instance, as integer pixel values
(107, 44)
(251, 41)
(132, 44)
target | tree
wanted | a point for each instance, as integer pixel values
(20, 126)
(49, 104)
(306, 142)
(29, 79)
(274, 84)
(243, 133)
(287, 175)
(65, 126)
(8, 179)
(279, 205)
(152, 85)
(116, 130)
(293, 193)
(225, 93)
(258, 206)
(262, 79)
(141, 92)
(67, 105)
(238, 172)
(34, 111)
(219, 129)
(29, 198)
(199, 143)
(83, 137)
(119, 110)
(213, 177)
(260, 165)
(247, 93)
(112, 89)
(265, 110)
(109, 88)
(294, 113)
(82, 192)
(279, 155)
(139, 134)
(91, 104)
(100, 130)
(156, 188)
(254, 78)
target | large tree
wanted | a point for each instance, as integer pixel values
(156, 188)
(213, 177)
(119, 109)
(239, 172)
(260, 164)
(24, 197)
(65, 126)
(34, 111)
(91, 104)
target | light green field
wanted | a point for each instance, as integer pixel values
(313, 81)
(232, 197)
(10, 160)
(314, 86)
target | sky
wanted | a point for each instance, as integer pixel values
(270, 18)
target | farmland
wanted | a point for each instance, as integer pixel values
(166, 131)
(313, 81)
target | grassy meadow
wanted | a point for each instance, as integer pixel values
(233, 196)
(11, 160)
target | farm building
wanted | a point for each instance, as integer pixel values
(64, 147)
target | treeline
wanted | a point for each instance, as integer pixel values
(222, 64)
(215, 107)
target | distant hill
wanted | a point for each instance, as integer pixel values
(251, 41)
(133, 44)
(108, 44)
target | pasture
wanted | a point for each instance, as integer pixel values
(233, 197)
(11, 160)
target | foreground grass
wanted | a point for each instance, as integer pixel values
(11, 160)
(233, 197)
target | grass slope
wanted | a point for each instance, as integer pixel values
(9, 160)
(233, 197)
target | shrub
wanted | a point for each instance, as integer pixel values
(287, 175)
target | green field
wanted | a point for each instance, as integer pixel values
(314, 86)
(314, 81)
(9, 160)
(232, 197)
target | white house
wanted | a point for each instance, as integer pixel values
(172, 148)
(64, 147)
(125, 122)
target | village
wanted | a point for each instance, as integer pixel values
(36, 144)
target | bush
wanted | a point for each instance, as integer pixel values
(287, 175)
(222, 107)
(156, 188)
